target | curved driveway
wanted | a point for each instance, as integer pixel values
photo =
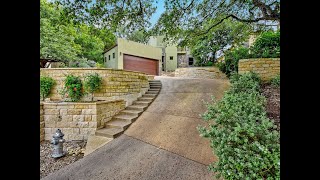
(163, 143)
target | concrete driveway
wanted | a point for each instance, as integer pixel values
(163, 143)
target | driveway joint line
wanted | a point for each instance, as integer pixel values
(165, 149)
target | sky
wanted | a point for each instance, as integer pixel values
(160, 9)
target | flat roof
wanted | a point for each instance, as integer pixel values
(109, 48)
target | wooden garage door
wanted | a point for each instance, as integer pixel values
(134, 63)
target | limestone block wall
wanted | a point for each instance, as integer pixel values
(150, 77)
(266, 68)
(200, 72)
(78, 120)
(41, 123)
(116, 85)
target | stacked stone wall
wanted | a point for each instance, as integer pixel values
(266, 68)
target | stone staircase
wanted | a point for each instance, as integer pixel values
(120, 122)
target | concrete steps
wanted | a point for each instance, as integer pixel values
(152, 92)
(120, 122)
(139, 102)
(131, 112)
(149, 95)
(149, 99)
(126, 117)
(110, 132)
(137, 107)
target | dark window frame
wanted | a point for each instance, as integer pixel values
(109, 57)
(113, 55)
(171, 57)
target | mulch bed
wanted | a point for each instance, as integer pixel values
(273, 103)
(75, 150)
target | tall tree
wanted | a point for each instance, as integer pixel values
(141, 35)
(62, 38)
(185, 18)
(91, 45)
(111, 13)
(227, 34)
(56, 40)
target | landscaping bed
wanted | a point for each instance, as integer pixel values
(75, 150)
(272, 95)
(241, 131)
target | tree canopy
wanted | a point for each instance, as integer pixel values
(132, 15)
(83, 28)
(56, 39)
(66, 40)
(192, 18)
(204, 48)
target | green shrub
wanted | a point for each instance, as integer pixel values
(231, 60)
(275, 82)
(99, 65)
(267, 45)
(73, 88)
(209, 63)
(46, 84)
(92, 83)
(248, 82)
(242, 136)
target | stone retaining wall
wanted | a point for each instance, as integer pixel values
(200, 72)
(41, 123)
(267, 68)
(116, 85)
(150, 77)
(78, 120)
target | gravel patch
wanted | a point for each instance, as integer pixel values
(75, 150)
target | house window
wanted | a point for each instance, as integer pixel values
(113, 55)
(171, 57)
(105, 59)
(109, 57)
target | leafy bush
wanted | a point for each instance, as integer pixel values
(92, 83)
(267, 45)
(275, 82)
(209, 63)
(73, 88)
(231, 60)
(82, 63)
(248, 82)
(46, 84)
(242, 136)
(99, 65)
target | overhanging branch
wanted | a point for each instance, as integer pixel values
(238, 19)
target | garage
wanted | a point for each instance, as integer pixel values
(146, 65)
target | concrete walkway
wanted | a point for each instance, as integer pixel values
(163, 143)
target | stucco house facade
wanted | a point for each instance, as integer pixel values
(134, 56)
(172, 55)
